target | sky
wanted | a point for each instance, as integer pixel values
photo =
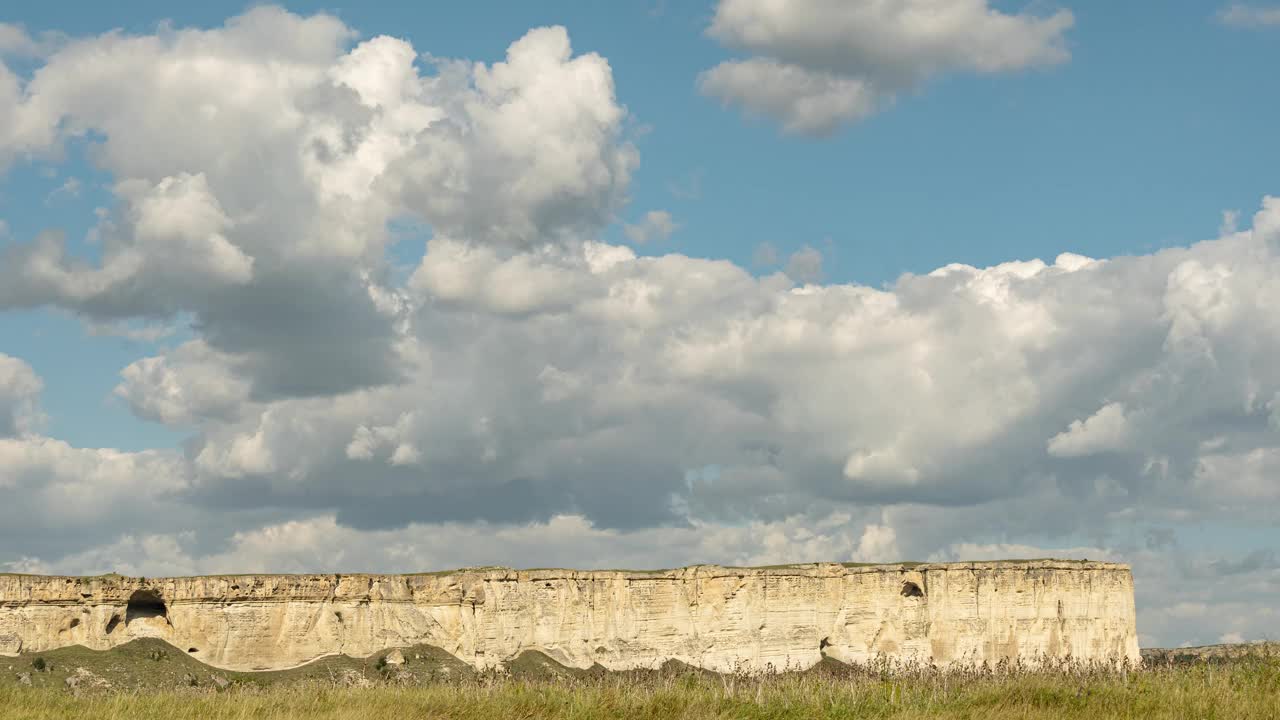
(303, 288)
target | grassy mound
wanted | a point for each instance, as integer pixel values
(150, 664)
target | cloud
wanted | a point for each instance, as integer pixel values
(1107, 429)
(689, 186)
(191, 384)
(1092, 378)
(1230, 221)
(1262, 559)
(19, 397)
(1249, 16)
(965, 552)
(805, 265)
(61, 499)
(878, 544)
(817, 65)
(386, 441)
(1182, 598)
(267, 208)
(656, 225)
(765, 255)
(471, 276)
(70, 188)
(321, 541)
(16, 42)
(805, 101)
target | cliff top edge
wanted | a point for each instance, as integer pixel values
(1029, 564)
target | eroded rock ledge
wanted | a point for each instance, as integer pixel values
(715, 617)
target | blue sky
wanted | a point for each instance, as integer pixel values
(1128, 131)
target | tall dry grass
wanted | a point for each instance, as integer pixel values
(1240, 690)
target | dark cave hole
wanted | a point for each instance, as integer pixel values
(910, 589)
(112, 623)
(193, 650)
(145, 604)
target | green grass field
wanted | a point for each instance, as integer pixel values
(177, 687)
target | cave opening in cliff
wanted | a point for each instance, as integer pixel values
(145, 604)
(910, 589)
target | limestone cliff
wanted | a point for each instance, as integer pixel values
(714, 617)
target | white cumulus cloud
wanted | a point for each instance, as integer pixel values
(816, 65)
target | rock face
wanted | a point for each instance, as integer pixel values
(714, 617)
